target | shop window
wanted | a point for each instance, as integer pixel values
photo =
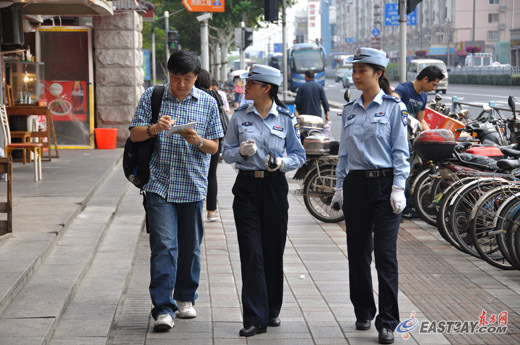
(494, 2)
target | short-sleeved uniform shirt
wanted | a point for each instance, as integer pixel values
(414, 102)
(178, 169)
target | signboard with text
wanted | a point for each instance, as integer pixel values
(392, 16)
(204, 5)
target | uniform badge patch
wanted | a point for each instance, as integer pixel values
(404, 117)
(351, 116)
(247, 123)
(380, 114)
(278, 128)
(297, 130)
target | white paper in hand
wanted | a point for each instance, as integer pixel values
(180, 128)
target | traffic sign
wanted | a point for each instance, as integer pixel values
(204, 5)
(376, 32)
(392, 16)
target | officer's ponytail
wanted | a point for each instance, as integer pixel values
(384, 82)
(273, 92)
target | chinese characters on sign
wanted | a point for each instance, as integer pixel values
(204, 5)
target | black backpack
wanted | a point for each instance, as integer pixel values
(136, 156)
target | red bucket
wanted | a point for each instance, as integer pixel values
(106, 138)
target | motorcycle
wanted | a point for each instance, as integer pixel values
(319, 174)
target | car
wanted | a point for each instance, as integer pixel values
(346, 78)
(339, 74)
(417, 65)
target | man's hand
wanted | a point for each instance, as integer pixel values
(397, 199)
(248, 147)
(191, 136)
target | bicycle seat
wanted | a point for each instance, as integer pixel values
(508, 164)
(510, 152)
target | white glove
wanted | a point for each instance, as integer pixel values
(248, 147)
(337, 198)
(279, 163)
(397, 199)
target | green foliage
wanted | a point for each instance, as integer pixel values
(392, 71)
(484, 79)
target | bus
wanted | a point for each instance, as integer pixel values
(276, 61)
(303, 57)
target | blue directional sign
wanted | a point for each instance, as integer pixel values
(376, 32)
(392, 16)
(350, 39)
(278, 48)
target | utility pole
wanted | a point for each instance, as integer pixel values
(154, 78)
(166, 27)
(204, 44)
(473, 30)
(284, 48)
(402, 37)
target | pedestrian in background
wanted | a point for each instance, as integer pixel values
(177, 187)
(371, 174)
(204, 83)
(310, 98)
(238, 89)
(256, 139)
(214, 86)
(413, 93)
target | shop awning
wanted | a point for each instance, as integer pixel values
(67, 7)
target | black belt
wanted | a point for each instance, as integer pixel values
(373, 173)
(261, 173)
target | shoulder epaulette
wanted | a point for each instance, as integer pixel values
(282, 110)
(242, 107)
(393, 98)
(349, 103)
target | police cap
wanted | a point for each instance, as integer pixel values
(265, 74)
(369, 55)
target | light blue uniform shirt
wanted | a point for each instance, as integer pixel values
(277, 133)
(374, 138)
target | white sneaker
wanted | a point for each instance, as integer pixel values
(212, 216)
(186, 310)
(163, 323)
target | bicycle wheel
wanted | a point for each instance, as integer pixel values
(462, 205)
(443, 215)
(489, 240)
(318, 190)
(504, 220)
(423, 197)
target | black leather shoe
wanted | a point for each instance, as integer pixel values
(386, 336)
(362, 325)
(251, 330)
(274, 322)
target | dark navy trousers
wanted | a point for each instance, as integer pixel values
(372, 227)
(260, 209)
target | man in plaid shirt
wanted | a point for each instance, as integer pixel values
(177, 187)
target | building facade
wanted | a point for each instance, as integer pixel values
(444, 29)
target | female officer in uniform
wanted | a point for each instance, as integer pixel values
(371, 174)
(258, 134)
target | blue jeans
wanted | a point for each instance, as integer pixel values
(176, 232)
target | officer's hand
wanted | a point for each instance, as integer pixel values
(397, 199)
(273, 164)
(248, 147)
(337, 200)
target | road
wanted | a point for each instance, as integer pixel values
(476, 94)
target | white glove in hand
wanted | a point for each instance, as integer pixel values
(248, 147)
(397, 199)
(337, 198)
(279, 163)
(326, 128)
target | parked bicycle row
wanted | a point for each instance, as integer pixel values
(470, 188)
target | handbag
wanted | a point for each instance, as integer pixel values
(136, 156)
(224, 119)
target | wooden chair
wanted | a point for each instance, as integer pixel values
(6, 226)
(35, 148)
(10, 96)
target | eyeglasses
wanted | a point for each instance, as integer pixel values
(249, 81)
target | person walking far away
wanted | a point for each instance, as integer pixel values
(256, 139)
(177, 187)
(238, 89)
(371, 173)
(310, 97)
(204, 83)
(214, 86)
(413, 93)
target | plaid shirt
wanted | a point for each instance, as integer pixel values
(179, 170)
